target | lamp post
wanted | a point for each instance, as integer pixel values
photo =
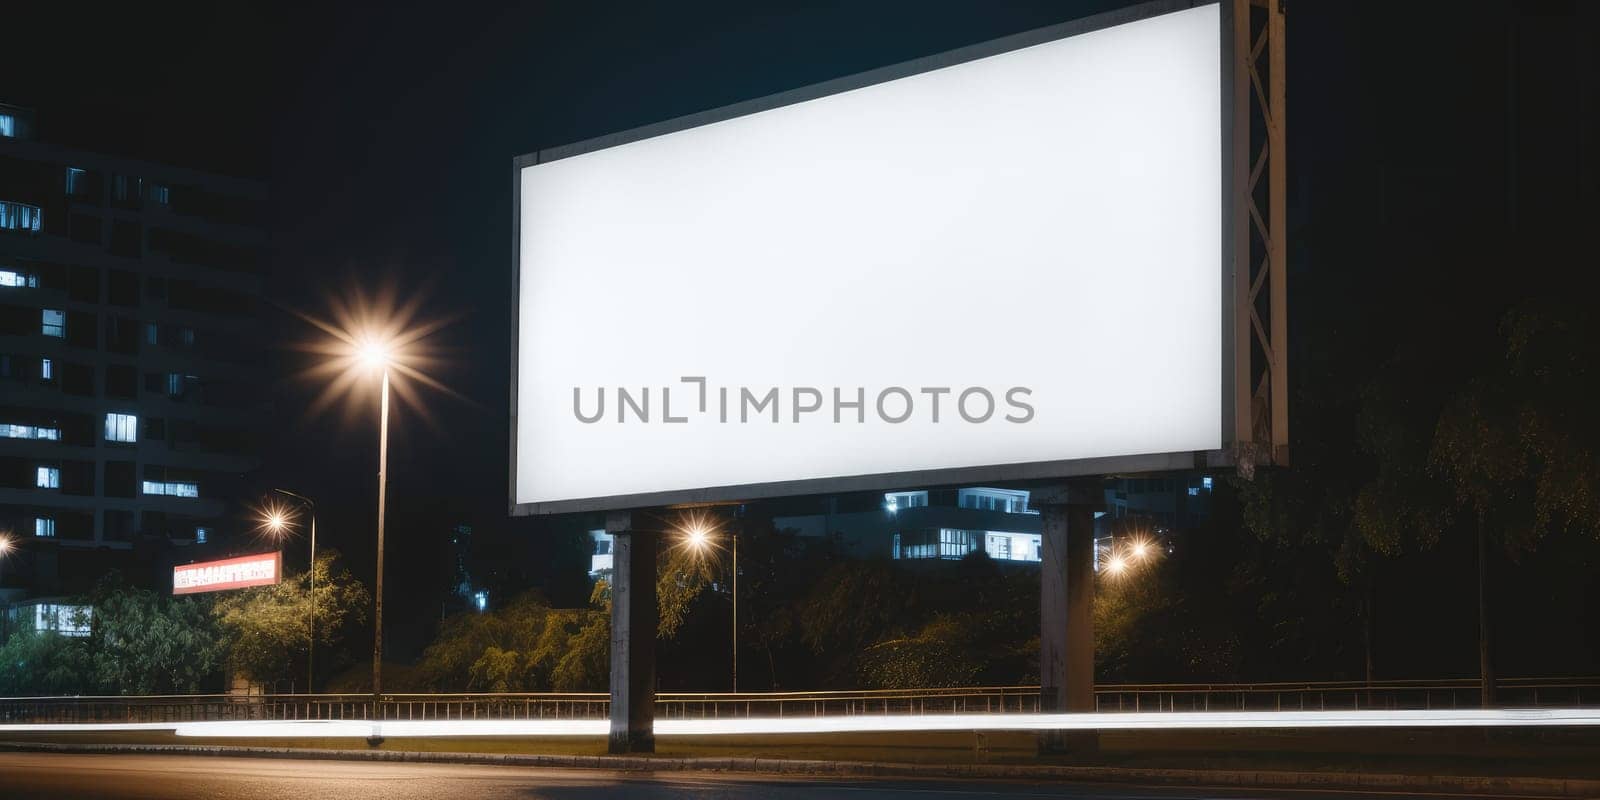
(376, 334)
(375, 355)
(6, 547)
(733, 534)
(698, 535)
(276, 522)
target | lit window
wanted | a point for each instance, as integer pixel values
(172, 488)
(18, 280)
(47, 369)
(159, 194)
(1194, 491)
(1206, 482)
(481, 600)
(122, 428)
(53, 322)
(74, 180)
(201, 535)
(895, 501)
(174, 384)
(8, 125)
(47, 478)
(19, 217)
(13, 431)
(44, 526)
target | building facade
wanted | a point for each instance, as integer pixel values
(131, 361)
(948, 524)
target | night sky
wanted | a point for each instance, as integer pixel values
(386, 137)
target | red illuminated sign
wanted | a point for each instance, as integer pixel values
(262, 569)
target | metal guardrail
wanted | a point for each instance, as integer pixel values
(1128, 698)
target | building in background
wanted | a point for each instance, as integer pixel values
(130, 363)
(928, 524)
(948, 524)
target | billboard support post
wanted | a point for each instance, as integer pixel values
(1259, 234)
(633, 635)
(1066, 598)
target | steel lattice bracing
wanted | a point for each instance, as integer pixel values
(1259, 163)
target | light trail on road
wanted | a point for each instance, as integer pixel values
(1186, 720)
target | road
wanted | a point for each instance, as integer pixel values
(25, 776)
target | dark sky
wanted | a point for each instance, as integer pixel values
(386, 134)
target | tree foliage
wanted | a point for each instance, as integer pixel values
(46, 663)
(145, 643)
(266, 627)
(524, 645)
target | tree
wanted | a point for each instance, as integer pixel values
(45, 663)
(144, 643)
(524, 645)
(265, 627)
(1518, 446)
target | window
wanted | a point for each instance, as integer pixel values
(201, 535)
(894, 501)
(75, 180)
(159, 194)
(53, 322)
(8, 125)
(122, 427)
(47, 369)
(47, 478)
(44, 527)
(1011, 501)
(174, 384)
(955, 544)
(172, 488)
(1206, 482)
(19, 217)
(152, 333)
(18, 280)
(126, 189)
(14, 431)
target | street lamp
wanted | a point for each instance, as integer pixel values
(375, 354)
(6, 546)
(277, 521)
(372, 333)
(697, 531)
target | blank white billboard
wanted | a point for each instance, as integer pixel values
(823, 294)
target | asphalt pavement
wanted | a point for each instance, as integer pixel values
(25, 776)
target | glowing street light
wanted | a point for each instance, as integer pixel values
(6, 546)
(697, 532)
(277, 521)
(375, 334)
(1116, 566)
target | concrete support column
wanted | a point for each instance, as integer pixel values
(1066, 601)
(633, 636)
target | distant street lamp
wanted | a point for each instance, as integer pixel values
(6, 546)
(697, 532)
(279, 523)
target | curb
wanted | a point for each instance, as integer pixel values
(1253, 779)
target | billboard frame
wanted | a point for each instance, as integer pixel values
(1000, 473)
